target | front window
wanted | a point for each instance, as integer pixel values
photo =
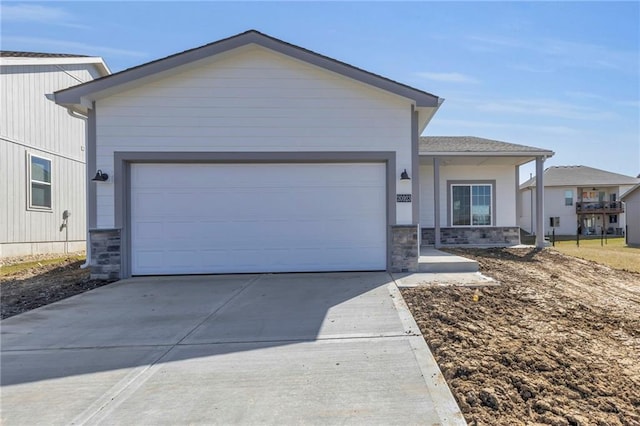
(613, 218)
(471, 205)
(39, 171)
(568, 197)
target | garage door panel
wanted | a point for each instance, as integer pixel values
(226, 218)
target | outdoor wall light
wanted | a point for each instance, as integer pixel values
(100, 177)
(404, 175)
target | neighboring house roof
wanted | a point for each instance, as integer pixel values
(580, 176)
(14, 54)
(470, 145)
(627, 194)
(15, 58)
(75, 96)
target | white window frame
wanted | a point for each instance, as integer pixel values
(491, 205)
(31, 181)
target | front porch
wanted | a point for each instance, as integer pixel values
(468, 190)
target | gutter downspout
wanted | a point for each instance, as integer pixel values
(87, 261)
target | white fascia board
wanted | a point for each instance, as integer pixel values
(96, 61)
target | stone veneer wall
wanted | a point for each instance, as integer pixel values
(105, 254)
(499, 235)
(404, 248)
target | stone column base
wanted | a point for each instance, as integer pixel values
(404, 248)
(498, 235)
(105, 254)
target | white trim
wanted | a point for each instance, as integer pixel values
(31, 181)
(98, 62)
(471, 225)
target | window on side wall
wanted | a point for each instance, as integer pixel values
(613, 218)
(568, 197)
(39, 183)
(471, 204)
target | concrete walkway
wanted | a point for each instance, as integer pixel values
(436, 261)
(240, 349)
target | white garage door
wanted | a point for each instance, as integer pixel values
(225, 218)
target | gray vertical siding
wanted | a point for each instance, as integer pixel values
(30, 123)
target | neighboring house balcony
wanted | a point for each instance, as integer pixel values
(599, 207)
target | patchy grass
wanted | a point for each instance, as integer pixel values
(12, 269)
(614, 253)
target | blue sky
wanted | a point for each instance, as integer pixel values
(563, 76)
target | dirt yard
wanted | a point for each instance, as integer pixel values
(32, 281)
(557, 343)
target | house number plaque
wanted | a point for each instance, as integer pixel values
(403, 198)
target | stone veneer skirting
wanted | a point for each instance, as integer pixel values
(105, 254)
(405, 250)
(499, 235)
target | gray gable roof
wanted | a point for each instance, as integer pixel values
(580, 176)
(73, 95)
(14, 54)
(472, 144)
(627, 194)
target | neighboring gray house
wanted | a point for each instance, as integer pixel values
(251, 154)
(631, 200)
(42, 154)
(577, 197)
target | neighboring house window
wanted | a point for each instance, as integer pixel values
(568, 197)
(471, 205)
(39, 171)
(613, 218)
(612, 197)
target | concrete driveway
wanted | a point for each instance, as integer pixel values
(237, 349)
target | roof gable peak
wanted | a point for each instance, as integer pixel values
(75, 96)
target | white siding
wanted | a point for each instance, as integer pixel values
(30, 123)
(554, 206)
(505, 193)
(526, 220)
(251, 100)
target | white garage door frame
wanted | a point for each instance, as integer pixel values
(122, 180)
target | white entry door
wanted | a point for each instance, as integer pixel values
(229, 218)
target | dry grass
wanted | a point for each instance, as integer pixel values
(16, 267)
(614, 253)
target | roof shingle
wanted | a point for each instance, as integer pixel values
(433, 144)
(15, 54)
(581, 176)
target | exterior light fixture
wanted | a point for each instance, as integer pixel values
(404, 175)
(100, 177)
